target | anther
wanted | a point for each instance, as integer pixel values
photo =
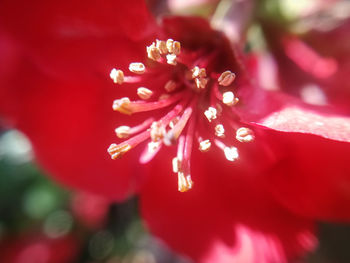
(231, 153)
(229, 98)
(169, 45)
(204, 146)
(121, 105)
(157, 131)
(173, 122)
(153, 146)
(117, 151)
(161, 45)
(144, 93)
(201, 83)
(117, 76)
(220, 130)
(210, 114)
(176, 165)
(123, 131)
(176, 47)
(226, 78)
(184, 182)
(137, 67)
(170, 86)
(153, 52)
(171, 59)
(245, 135)
(198, 72)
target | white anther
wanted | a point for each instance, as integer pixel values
(153, 52)
(201, 83)
(198, 72)
(171, 59)
(169, 45)
(161, 45)
(170, 86)
(176, 165)
(204, 146)
(210, 114)
(229, 99)
(122, 131)
(226, 78)
(220, 130)
(117, 76)
(137, 67)
(244, 134)
(231, 153)
(157, 131)
(121, 104)
(153, 146)
(144, 93)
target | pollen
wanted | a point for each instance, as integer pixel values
(144, 93)
(244, 135)
(226, 78)
(169, 45)
(220, 130)
(198, 72)
(171, 59)
(137, 67)
(162, 47)
(117, 76)
(204, 146)
(117, 151)
(229, 99)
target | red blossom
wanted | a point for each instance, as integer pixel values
(56, 90)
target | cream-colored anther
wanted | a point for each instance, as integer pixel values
(161, 45)
(229, 98)
(184, 182)
(220, 130)
(157, 131)
(153, 52)
(171, 59)
(137, 67)
(117, 76)
(176, 47)
(121, 105)
(117, 151)
(201, 83)
(210, 114)
(176, 165)
(169, 45)
(170, 86)
(244, 134)
(198, 72)
(153, 146)
(144, 93)
(122, 132)
(226, 78)
(231, 153)
(204, 146)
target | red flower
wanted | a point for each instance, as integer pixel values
(57, 92)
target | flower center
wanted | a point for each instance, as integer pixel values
(197, 101)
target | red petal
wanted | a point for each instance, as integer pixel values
(227, 217)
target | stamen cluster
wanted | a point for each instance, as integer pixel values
(193, 98)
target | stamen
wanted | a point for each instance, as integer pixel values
(153, 52)
(245, 135)
(226, 78)
(174, 121)
(201, 83)
(204, 146)
(117, 151)
(176, 47)
(123, 131)
(229, 99)
(124, 105)
(137, 67)
(161, 45)
(117, 76)
(157, 131)
(184, 182)
(171, 59)
(144, 93)
(219, 130)
(170, 86)
(231, 153)
(175, 132)
(176, 165)
(210, 114)
(126, 131)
